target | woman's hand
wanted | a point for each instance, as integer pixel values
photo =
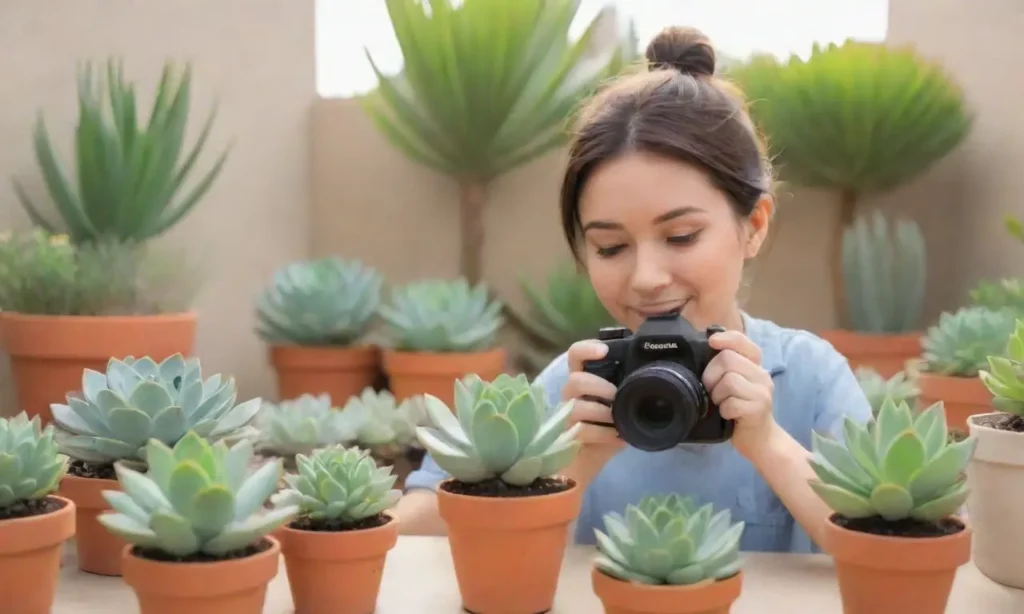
(742, 389)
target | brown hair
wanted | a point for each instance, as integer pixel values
(679, 109)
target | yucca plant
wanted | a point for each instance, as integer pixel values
(130, 179)
(485, 88)
(857, 118)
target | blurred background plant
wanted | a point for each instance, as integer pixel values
(901, 387)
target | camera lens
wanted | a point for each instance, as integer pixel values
(657, 406)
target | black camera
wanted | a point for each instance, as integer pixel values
(660, 401)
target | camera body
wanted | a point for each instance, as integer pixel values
(660, 400)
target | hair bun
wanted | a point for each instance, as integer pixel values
(686, 50)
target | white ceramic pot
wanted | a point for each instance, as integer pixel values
(995, 475)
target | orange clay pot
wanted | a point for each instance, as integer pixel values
(415, 373)
(30, 558)
(619, 597)
(49, 353)
(336, 572)
(962, 397)
(341, 372)
(886, 354)
(508, 552)
(909, 575)
(234, 586)
(99, 550)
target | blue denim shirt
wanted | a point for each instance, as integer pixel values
(814, 389)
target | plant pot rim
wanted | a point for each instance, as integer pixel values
(431, 355)
(26, 539)
(666, 588)
(973, 423)
(898, 553)
(892, 539)
(173, 316)
(666, 598)
(573, 486)
(273, 551)
(392, 520)
(510, 513)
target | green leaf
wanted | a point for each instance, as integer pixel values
(843, 502)
(212, 509)
(891, 501)
(455, 462)
(524, 472)
(690, 574)
(905, 457)
(840, 458)
(943, 470)
(187, 479)
(943, 506)
(496, 441)
(130, 426)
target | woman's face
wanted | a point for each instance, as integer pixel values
(659, 237)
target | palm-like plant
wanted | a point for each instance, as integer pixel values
(857, 118)
(486, 87)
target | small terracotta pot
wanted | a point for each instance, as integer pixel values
(341, 372)
(519, 540)
(895, 574)
(30, 558)
(886, 354)
(415, 373)
(962, 397)
(234, 586)
(49, 353)
(995, 474)
(619, 597)
(99, 550)
(336, 572)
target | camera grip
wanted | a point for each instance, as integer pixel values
(603, 368)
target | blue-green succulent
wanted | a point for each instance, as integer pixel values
(30, 465)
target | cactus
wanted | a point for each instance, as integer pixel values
(897, 466)
(1005, 375)
(876, 388)
(119, 411)
(323, 302)
(195, 499)
(960, 343)
(30, 465)
(442, 316)
(299, 426)
(884, 271)
(373, 420)
(501, 429)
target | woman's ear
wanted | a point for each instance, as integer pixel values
(759, 221)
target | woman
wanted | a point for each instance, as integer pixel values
(665, 198)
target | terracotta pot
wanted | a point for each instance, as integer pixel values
(962, 397)
(895, 574)
(995, 474)
(619, 597)
(99, 550)
(414, 373)
(886, 354)
(49, 353)
(234, 586)
(519, 540)
(336, 572)
(341, 372)
(30, 558)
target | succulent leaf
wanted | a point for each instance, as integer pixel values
(435, 315)
(1005, 374)
(299, 426)
(960, 343)
(899, 387)
(375, 421)
(30, 465)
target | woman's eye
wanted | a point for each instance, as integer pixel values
(684, 239)
(606, 252)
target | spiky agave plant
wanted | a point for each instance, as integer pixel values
(668, 539)
(501, 429)
(30, 465)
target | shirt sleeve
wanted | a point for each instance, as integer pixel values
(553, 378)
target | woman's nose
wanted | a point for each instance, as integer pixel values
(650, 273)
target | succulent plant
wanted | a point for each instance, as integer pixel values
(501, 429)
(1005, 375)
(961, 342)
(436, 315)
(30, 465)
(897, 466)
(1004, 294)
(876, 388)
(299, 426)
(373, 420)
(668, 539)
(884, 271)
(341, 484)
(327, 301)
(195, 498)
(119, 411)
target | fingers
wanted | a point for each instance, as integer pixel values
(737, 409)
(737, 342)
(734, 385)
(592, 415)
(588, 349)
(730, 361)
(581, 384)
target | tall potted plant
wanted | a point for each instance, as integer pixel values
(895, 486)
(439, 331)
(503, 447)
(130, 187)
(814, 112)
(485, 88)
(198, 537)
(334, 551)
(666, 555)
(34, 522)
(108, 421)
(996, 472)
(314, 316)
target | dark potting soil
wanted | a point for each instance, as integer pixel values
(200, 557)
(494, 487)
(1003, 422)
(98, 471)
(876, 525)
(35, 507)
(306, 523)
